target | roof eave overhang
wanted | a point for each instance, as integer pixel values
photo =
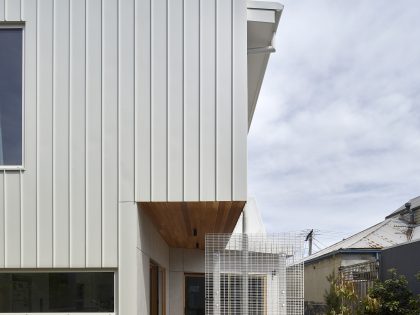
(310, 260)
(263, 19)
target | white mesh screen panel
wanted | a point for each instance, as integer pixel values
(254, 274)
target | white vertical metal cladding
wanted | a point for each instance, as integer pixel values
(239, 101)
(126, 70)
(124, 101)
(45, 132)
(93, 132)
(109, 132)
(29, 177)
(2, 7)
(77, 118)
(143, 99)
(192, 101)
(61, 210)
(61, 235)
(12, 219)
(12, 10)
(208, 100)
(175, 100)
(159, 100)
(224, 100)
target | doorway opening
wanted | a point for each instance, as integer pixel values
(157, 289)
(195, 297)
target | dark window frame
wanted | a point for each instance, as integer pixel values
(21, 166)
(64, 271)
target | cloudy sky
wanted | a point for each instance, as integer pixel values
(335, 140)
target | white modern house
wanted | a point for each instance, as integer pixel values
(123, 141)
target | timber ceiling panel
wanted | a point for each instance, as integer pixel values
(177, 221)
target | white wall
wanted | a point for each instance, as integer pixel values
(61, 210)
(194, 75)
(150, 246)
(124, 101)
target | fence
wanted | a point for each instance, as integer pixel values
(254, 274)
(362, 276)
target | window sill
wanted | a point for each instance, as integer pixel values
(11, 168)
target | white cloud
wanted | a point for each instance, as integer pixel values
(335, 140)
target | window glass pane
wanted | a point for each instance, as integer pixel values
(10, 96)
(195, 295)
(57, 292)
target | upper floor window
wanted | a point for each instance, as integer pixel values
(11, 96)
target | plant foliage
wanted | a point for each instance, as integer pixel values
(390, 297)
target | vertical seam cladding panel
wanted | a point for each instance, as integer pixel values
(126, 101)
(191, 101)
(44, 206)
(77, 135)
(175, 100)
(29, 176)
(143, 100)
(207, 101)
(224, 101)
(12, 10)
(159, 101)
(2, 9)
(12, 220)
(60, 126)
(45, 146)
(110, 134)
(203, 92)
(93, 133)
(239, 101)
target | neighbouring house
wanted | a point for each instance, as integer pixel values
(367, 253)
(123, 141)
(405, 258)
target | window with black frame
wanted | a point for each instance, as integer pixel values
(11, 65)
(67, 292)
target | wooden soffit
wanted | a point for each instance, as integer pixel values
(184, 224)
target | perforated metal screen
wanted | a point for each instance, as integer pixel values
(254, 274)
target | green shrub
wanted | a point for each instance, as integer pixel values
(341, 297)
(390, 297)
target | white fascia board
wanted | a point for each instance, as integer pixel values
(265, 5)
(257, 15)
(262, 12)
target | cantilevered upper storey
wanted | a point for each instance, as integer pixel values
(197, 89)
(146, 102)
(213, 55)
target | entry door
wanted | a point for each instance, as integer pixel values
(195, 295)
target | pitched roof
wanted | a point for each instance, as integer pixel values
(391, 231)
(415, 203)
